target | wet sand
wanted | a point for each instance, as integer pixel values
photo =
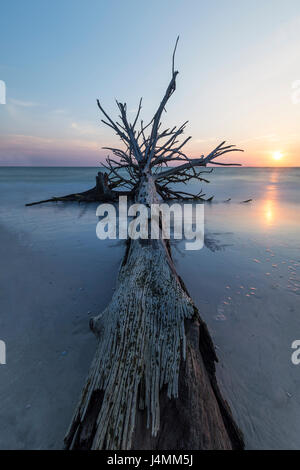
(46, 302)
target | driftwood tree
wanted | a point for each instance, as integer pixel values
(152, 383)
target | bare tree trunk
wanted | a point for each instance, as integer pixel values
(152, 383)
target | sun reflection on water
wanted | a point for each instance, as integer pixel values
(269, 212)
(271, 205)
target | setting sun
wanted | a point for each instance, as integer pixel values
(277, 155)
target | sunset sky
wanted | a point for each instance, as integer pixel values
(239, 76)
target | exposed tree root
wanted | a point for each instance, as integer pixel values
(102, 192)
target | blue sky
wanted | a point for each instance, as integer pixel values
(237, 61)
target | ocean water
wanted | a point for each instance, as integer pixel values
(55, 274)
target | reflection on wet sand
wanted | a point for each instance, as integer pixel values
(270, 205)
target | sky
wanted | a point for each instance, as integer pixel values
(239, 76)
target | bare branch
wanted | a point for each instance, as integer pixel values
(173, 57)
(112, 123)
(202, 161)
(138, 113)
(132, 140)
(149, 153)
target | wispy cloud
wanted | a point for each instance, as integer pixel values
(23, 104)
(85, 128)
(61, 111)
(18, 149)
(265, 138)
(202, 141)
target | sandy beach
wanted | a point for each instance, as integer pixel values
(55, 274)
